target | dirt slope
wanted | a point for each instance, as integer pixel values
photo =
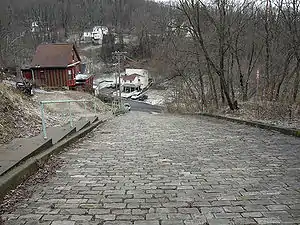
(16, 117)
(20, 116)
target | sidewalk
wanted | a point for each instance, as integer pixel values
(21, 149)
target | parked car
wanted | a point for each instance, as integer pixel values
(135, 97)
(25, 87)
(139, 97)
(143, 97)
(127, 106)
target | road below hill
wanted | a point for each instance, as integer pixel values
(144, 107)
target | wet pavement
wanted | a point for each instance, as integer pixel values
(144, 168)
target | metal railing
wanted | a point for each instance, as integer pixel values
(43, 103)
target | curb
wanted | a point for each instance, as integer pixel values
(18, 175)
(287, 131)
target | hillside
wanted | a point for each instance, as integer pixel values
(20, 115)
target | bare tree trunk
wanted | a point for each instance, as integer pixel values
(230, 76)
(241, 76)
(200, 75)
(268, 49)
(278, 88)
(232, 89)
(222, 91)
(296, 83)
(213, 86)
(222, 52)
(203, 98)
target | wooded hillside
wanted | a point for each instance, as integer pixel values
(222, 51)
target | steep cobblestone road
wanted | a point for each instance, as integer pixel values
(147, 169)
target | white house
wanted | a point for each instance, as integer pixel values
(142, 74)
(87, 36)
(34, 26)
(131, 83)
(98, 34)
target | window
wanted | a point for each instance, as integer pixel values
(70, 74)
(131, 81)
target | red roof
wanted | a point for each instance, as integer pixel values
(129, 77)
(55, 55)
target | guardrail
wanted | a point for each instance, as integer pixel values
(43, 103)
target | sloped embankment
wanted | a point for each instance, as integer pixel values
(18, 116)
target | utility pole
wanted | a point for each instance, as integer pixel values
(119, 54)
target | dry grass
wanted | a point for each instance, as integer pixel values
(16, 117)
(20, 116)
(275, 113)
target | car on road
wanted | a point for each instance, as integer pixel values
(143, 97)
(134, 97)
(139, 97)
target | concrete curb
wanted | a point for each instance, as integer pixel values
(19, 174)
(47, 144)
(287, 131)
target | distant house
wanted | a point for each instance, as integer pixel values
(143, 76)
(135, 80)
(98, 34)
(54, 65)
(87, 36)
(131, 83)
(34, 26)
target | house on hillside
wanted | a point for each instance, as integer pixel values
(143, 76)
(87, 36)
(134, 80)
(98, 34)
(54, 65)
(131, 83)
(34, 27)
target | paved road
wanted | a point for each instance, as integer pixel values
(156, 169)
(143, 107)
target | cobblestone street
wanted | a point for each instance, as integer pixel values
(155, 169)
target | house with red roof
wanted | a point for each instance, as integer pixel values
(131, 83)
(54, 65)
(135, 80)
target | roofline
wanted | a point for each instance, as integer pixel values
(75, 49)
(73, 64)
(46, 67)
(58, 67)
(128, 75)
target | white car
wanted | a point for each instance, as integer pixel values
(134, 97)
